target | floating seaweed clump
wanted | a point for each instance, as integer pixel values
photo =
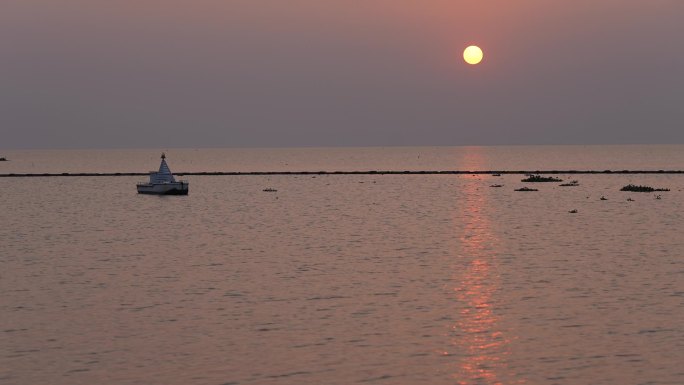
(539, 178)
(496, 185)
(573, 183)
(635, 188)
(270, 190)
(526, 189)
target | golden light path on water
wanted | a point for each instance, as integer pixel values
(478, 341)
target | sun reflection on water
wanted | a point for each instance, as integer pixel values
(477, 338)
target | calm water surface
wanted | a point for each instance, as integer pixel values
(341, 279)
(654, 157)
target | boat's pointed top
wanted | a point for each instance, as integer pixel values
(164, 168)
(164, 171)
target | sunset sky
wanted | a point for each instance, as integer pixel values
(261, 73)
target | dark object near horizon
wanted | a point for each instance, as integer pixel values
(496, 185)
(573, 211)
(635, 188)
(3, 159)
(539, 178)
(603, 198)
(269, 190)
(573, 183)
(369, 172)
(526, 189)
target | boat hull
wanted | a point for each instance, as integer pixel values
(164, 188)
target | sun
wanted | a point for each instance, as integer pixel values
(473, 55)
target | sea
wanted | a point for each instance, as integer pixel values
(343, 279)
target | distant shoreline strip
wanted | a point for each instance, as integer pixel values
(229, 173)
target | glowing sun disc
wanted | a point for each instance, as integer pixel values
(473, 55)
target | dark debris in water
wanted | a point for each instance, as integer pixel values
(526, 189)
(539, 178)
(635, 188)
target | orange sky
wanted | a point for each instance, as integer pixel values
(333, 72)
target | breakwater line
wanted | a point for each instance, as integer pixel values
(408, 172)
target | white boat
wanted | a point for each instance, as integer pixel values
(162, 182)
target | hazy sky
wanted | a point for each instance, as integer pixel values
(260, 73)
